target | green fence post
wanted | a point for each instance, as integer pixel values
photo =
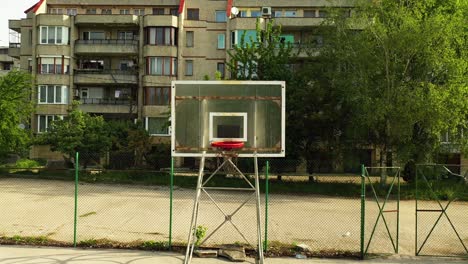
(76, 198)
(265, 241)
(398, 215)
(363, 208)
(416, 213)
(171, 189)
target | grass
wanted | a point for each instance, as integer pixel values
(27, 240)
(88, 214)
(334, 186)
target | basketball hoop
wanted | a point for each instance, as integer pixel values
(227, 145)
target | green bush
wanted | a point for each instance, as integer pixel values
(25, 164)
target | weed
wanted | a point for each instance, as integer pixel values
(200, 233)
(88, 243)
(154, 245)
(88, 214)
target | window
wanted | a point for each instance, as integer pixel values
(157, 126)
(189, 38)
(220, 16)
(90, 35)
(126, 65)
(161, 36)
(158, 11)
(290, 13)
(45, 121)
(71, 11)
(242, 13)
(189, 67)
(58, 11)
(91, 11)
(139, 12)
(128, 35)
(52, 94)
(287, 39)
(221, 41)
(174, 11)
(166, 66)
(91, 64)
(309, 13)
(53, 35)
(124, 11)
(30, 65)
(249, 36)
(106, 12)
(277, 13)
(53, 65)
(220, 67)
(255, 14)
(193, 14)
(323, 13)
(157, 95)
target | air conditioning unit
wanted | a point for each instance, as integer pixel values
(266, 11)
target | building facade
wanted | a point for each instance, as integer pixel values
(119, 57)
(7, 63)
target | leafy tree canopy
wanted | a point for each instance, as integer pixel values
(15, 111)
(78, 132)
(399, 70)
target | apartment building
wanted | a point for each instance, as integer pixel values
(7, 63)
(118, 57)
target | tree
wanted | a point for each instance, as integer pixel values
(267, 57)
(78, 132)
(15, 112)
(399, 69)
(264, 56)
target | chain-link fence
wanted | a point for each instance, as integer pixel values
(381, 210)
(36, 201)
(441, 210)
(122, 201)
(319, 210)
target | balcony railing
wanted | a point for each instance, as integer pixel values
(102, 71)
(107, 41)
(107, 101)
(15, 45)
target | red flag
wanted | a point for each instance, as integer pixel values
(181, 6)
(228, 8)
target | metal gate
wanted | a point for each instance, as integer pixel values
(380, 210)
(441, 210)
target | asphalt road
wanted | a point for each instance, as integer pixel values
(49, 255)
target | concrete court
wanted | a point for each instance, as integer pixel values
(50, 255)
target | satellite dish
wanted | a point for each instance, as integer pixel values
(21, 126)
(234, 10)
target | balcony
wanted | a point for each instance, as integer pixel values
(240, 23)
(86, 76)
(108, 105)
(107, 47)
(107, 101)
(160, 21)
(298, 3)
(107, 20)
(14, 50)
(53, 20)
(15, 24)
(298, 22)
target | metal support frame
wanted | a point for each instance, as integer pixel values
(202, 187)
(381, 206)
(442, 210)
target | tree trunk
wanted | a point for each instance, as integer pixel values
(383, 164)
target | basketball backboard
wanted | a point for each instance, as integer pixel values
(252, 112)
